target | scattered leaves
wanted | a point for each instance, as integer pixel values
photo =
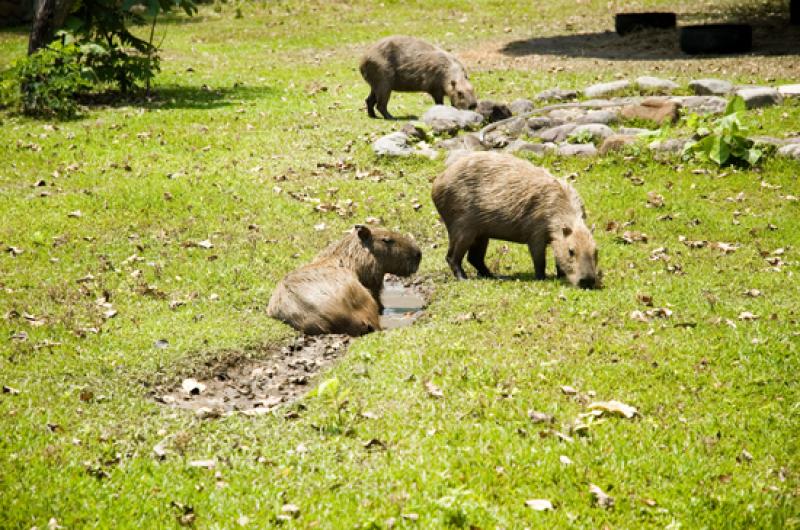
(539, 505)
(614, 407)
(600, 497)
(433, 390)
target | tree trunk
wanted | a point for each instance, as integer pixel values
(48, 16)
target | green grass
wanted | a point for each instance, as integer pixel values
(225, 164)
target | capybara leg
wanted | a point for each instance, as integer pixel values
(539, 255)
(477, 255)
(382, 98)
(371, 100)
(455, 254)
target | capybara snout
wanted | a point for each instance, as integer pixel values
(462, 95)
(576, 256)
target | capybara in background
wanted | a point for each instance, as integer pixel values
(339, 292)
(407, 64)
(487, 195)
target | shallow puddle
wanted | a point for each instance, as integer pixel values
(258, 387)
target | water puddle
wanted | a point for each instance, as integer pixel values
(258, 387)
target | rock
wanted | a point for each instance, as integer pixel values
(616, 142)
(656, 84)
(557, 94)
(577, 150)
(394, 144)
(770, 140)
(451, 143)
(540, 122)
(633, 131)
(789, 91)
(702, 104)
(443, 118)
(604, 89)
(397, 144)
(565, 115)
(659, 110)
(515, 127)
(521, 106)
(472, 142)
(493, 111)
(670, 145)
(603, 116)
(558, 133)
(413, 130)
(758, 97)
(711, 87)
(521, 146)
(790, 151)
(597, 130)
(497, 139)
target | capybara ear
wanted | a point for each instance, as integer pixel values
(363, 232)
(566, 231)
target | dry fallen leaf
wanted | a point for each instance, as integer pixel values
(208, 464)
(744, 456)
(654, 200)
(564, 459)
(726, 248)
(747, 316)
(614, 407)
(160, 452)
(193, 387)
(633, 236)
(291, 509)
(540, 505)
(600, 497)
(540, 417)
(568, 390)
(433, 390)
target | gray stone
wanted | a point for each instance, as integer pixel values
(493, 111)
(670, 145)
(557, 94)
(557, 134)
(604, 116)
(597, 130)
(656, 84)
(451, 143)
(770, 140)
(440, 115)
(394, 144)
(577, 150)
(521, 146)
(758, 97)
(521, 106)
(634, 131)
(540, 122)
(515, 127)
(628, 100)
(711, 87)
(702, 104)
(497, 139)
(789, 91)
(413, 130)
(604, 89)
(565, 115)
(790, 151)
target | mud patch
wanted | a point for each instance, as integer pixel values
(288, 373)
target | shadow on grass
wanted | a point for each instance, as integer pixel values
(180, 97)
(772, 35)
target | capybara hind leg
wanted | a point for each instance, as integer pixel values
(371, 101)
(382, 96)
(459, 244)
(539, 256)
(477, 255)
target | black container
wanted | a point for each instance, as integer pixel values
(626, 23)
(716, 39)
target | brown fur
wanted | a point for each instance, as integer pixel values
(488, 195)
(406, 64)
(339, 292)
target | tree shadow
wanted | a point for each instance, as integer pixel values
(168, 97)
(772, 35)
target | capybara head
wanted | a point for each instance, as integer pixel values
(396, 253)
(576, 255)
(461, 93)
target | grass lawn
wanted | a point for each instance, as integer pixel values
(257, 117)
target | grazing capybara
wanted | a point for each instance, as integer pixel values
(340, 291)
(407, 64)
(487, 195)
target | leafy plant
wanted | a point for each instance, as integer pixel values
(44, 84)
(723, 141)
(583, 137)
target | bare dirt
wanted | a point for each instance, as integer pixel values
(288, 372)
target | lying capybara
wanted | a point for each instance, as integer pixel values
(406, 64)
(487, 195)
(340, 291)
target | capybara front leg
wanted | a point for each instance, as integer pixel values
(438, 98)
(371, 101)
(477, 255)
(539, 256)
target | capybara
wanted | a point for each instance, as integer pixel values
(339, 292)
(407, 64)
(487, 195)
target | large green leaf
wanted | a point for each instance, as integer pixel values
(736, 104)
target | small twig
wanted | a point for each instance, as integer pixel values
(150, 50)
